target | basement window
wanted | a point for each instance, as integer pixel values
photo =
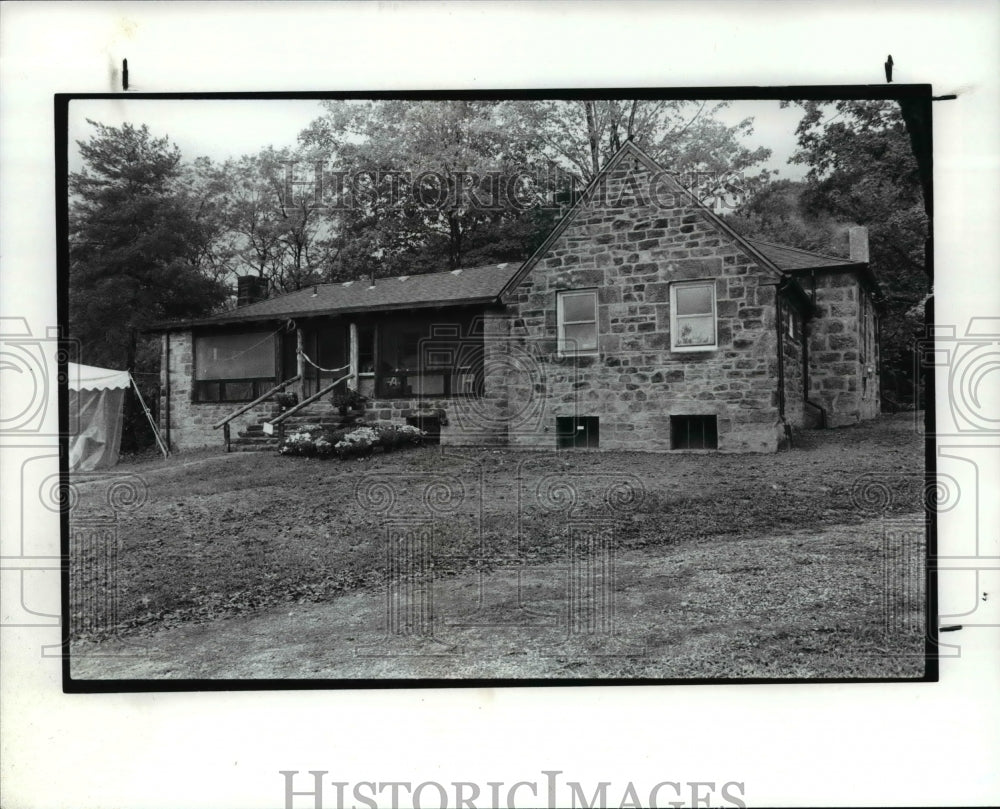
(578, 432)
(431, 425)
(694, 432)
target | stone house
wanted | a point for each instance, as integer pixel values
(643, 322)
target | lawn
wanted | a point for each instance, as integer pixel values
(569, 564)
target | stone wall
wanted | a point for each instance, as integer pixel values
(190, 423)
(631, 254)
(843, 382)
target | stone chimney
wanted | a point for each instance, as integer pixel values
(858, 236)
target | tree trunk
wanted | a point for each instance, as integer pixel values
(592, 135)
(630, 132)
(454, 241)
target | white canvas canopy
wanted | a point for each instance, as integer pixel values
(96, 397)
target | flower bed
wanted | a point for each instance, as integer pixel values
(315, 441)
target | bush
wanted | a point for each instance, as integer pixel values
(315, 441)
(309, 441)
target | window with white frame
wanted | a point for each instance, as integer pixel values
(577, 321)
(692, 316)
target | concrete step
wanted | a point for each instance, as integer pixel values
(255, 441)
(236, 446)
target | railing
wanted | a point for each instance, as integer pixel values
(270, 425)
(236, 413)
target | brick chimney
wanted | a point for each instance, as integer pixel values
(858, 236)
(250, 289)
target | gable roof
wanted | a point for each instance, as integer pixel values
(629, 148)
(474, 285)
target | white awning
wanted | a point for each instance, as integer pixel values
(90, 377)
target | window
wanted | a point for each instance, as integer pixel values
(235, 367)
(866, 329)
(578, 431)
(692, 316)
(694, 432)
(793, 325)
(576, 314)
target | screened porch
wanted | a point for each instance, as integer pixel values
(389, 355)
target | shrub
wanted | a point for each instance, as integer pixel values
(357, 442)
(315, 441)
(309, 441)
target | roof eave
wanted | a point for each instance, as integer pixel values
(863, 268)
(232, 320)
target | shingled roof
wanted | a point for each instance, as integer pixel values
(474, 285)
(788, 259)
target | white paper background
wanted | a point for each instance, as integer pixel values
(878, 744)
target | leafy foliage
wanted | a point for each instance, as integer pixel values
(280, 236)
(140, 252)
(137, 243)
(427, 184)
(445, 184)
(684, 136)
(316, 441)
(861, 172)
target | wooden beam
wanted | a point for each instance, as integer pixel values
(300, 363)
(352, 355)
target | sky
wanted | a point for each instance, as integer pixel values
(220, 129)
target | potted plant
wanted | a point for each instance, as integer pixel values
(286, 399)
(348, 401)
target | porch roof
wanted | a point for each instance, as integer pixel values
(474, 285)
(794, 262)
(788, 259)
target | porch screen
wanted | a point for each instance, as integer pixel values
(424, 357)
(235, 367)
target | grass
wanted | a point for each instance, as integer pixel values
(726, 565)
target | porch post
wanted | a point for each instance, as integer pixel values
(300, 363)
(352, 355)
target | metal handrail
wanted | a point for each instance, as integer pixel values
(293, 410)
(256, 401)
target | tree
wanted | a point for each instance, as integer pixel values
(776, 212)
(683, 136)
(428, 184)
(270, 232)
(139, 247)
(862, 171)
(487, 169)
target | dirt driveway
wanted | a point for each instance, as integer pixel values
(772, 607)
(498, 561)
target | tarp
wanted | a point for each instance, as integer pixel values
(96, 397)
(90, 377)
